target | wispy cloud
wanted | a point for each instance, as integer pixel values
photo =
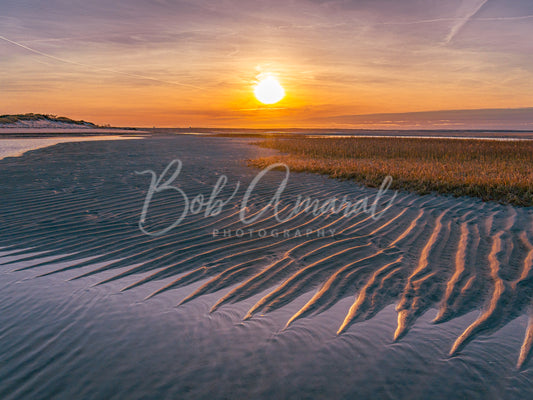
(95, 68)
(133, 61)
(518, 118)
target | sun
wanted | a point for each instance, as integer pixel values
(268, 90)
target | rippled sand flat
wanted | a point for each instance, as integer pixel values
(430, 301)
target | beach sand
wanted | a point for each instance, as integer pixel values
(430, 301)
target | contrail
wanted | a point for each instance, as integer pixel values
(422, 21)
(518, 18)
(431, 21)
(462, 21)
(63, 60)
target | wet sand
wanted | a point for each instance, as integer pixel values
(433, 300)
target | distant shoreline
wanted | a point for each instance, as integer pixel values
(38, 124)
(9, 133)
(460, 133)
(21, 132)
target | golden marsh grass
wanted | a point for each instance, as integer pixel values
(489, 169)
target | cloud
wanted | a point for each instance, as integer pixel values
(63, 60)
(473, 9)
(361, 56)
(508, 118)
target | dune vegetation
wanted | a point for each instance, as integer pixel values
(14, 118)
(489, 169)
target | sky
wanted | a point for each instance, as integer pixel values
(343, 64)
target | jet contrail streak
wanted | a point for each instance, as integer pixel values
(94, 67)
(462, 21)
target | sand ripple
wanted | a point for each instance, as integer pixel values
(81, 208)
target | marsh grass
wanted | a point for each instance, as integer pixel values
(489, 169)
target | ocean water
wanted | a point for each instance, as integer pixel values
(18, 146)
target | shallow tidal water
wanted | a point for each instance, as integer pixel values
(71, 244)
